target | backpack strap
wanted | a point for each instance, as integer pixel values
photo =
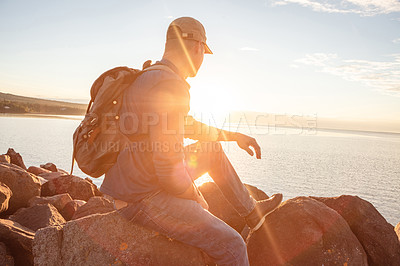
(158, 67)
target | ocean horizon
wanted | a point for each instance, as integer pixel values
(316, 162)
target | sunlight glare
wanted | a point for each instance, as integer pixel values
(203, 179)
(210, 104)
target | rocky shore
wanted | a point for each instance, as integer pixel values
(51, 218)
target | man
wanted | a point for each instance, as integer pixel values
(153, 179)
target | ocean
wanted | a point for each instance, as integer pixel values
(294, 162)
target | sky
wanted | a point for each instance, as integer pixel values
(334, 59)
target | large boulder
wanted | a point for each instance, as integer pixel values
(59, 201)
(51, 175)
(16, 158)
(37, 170)
(19, 240)
(47, 247)
(70, 208)
(221, 208)
(6, 258)
(38, 216)
(303, 231)
(375, 234)
(23, 185)
(5, 195)
(76, 187)
(94, 205)
(108, 239)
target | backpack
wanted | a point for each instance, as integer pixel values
(97, 141)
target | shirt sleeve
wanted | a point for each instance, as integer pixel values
(165, 117)
(197, 130)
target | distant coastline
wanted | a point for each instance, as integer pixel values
(44, 116)
(310, 123)
(15, 104)
(21, 106)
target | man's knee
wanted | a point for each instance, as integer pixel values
(240, 247)
(235, 251)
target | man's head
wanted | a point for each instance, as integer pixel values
(186, 42)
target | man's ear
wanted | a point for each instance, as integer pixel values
(199, 48)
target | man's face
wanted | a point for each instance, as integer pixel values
(197, 56)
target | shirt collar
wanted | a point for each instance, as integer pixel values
(173, 67)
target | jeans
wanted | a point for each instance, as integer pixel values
(186, 221)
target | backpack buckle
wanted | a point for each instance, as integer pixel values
(93, 121)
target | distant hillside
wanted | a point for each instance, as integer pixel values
(16, 104)
(312, 123)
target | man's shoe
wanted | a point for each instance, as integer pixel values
(263, 207)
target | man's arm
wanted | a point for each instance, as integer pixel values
(199, 131)
(164, 113)
(168, 105)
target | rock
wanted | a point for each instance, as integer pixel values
(19, 241)
(89, 180)
(94, 205)
(62, 171)
(23, 185)
(37, 170)
(4, 158)
(59, 201)
(303, 231)
(108, 239)
(5, 195)
(16, 158)
(49, 166)
(51, 175)
(375, 234)
(46, 247)
(97, 192)
(397, 230)
(221, 208)
(70, 208)
(38, 216)
(76, 187)
(41, 180)
(5, 256)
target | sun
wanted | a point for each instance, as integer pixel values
(209, 104)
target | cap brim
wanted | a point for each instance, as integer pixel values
(207, 49)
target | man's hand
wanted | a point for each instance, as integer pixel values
(245, 142)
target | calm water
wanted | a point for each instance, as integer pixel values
(294, 162)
